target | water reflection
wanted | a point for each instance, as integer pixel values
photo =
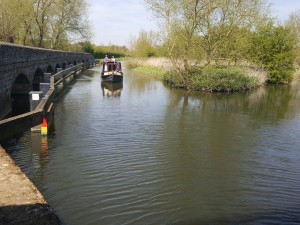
(35, 156)
(39, 152)
(272, 103)
(111, 90)
(171, 157)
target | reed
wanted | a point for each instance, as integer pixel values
(218, 79)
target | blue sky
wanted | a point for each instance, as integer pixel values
(115, 21)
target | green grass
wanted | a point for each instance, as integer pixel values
(214, 80)
(130, 63)
(150, 70)
(211, 79)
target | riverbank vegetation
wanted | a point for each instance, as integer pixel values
(210, 79)
(219, 45)
(229, 79)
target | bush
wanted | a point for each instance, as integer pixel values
(131, 64)
(274, 48)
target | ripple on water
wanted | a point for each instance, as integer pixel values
(149, 157)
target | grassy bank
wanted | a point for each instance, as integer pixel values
(152, 71)
(229, 79)
(212, 79)
(143, 66)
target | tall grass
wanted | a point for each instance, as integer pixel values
(216, 80)
(211, 79)
(131, 63)
(139, 66)
(152, 71)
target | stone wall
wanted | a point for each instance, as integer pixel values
(16, 60)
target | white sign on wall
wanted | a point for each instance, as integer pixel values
(35, 97)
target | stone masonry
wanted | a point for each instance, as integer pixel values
(26, 64)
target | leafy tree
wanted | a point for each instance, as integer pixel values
(205, 25)
(235, 46)
(294, 24)
(274, 48)
(144, 44)
(69, 23)
(44, 23)
(12, 14)
(88, 47)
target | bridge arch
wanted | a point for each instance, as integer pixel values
(57, 66)
(37, 79)
(25, 60)
(50, 69)
(20, 95)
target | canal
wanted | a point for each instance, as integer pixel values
(147, 154)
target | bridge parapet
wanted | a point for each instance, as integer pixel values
(43, 108)
(11, 54)
(28, 67)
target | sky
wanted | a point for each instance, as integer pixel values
(117, 21)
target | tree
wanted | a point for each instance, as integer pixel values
(205, 24)
(235, 46)
(69, 22)
(143, 45)
(11, 16)
(274, 48)
(44, 23)
(293, 23)
(88, 47)
(42, 15)
(225, 21)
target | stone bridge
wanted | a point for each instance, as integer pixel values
(23, 69)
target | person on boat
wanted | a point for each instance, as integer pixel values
(113, 59)
(118, 68)
(106, 59)
(105, 62)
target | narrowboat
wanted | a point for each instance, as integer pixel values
(112, 72)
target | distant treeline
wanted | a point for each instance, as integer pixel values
(101, 55)
(101, 51)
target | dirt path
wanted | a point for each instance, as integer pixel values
(20, 201)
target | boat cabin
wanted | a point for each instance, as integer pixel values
(112, 66)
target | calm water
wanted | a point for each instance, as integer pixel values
(146, 154)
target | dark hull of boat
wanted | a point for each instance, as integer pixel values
(112, 78)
